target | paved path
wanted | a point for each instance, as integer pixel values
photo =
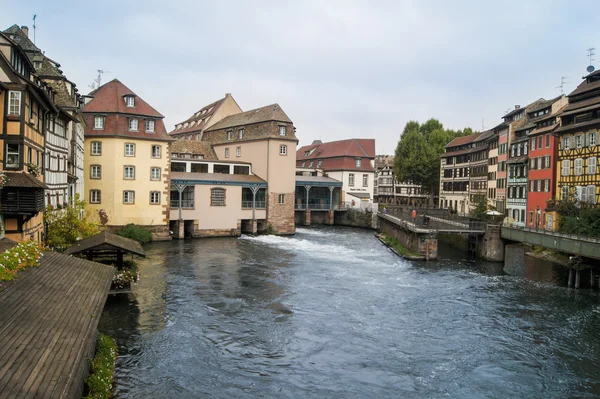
(48, 321)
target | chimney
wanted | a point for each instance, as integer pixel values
(517, 106)
(227, 94)
(317, 142)
(25, 30)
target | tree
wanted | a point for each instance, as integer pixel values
(418, 153)
(481, 207)
(66, 226)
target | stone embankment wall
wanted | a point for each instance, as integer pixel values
(356, 218)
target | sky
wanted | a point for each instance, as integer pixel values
(338, 68)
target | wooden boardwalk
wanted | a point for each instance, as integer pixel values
(48, 321)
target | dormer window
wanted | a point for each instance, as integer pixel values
(358, 162)
(130, 101)
(282, 130)
(133, 124)
(240, 134)
(230, 135)
(98, 123)
(150, 126)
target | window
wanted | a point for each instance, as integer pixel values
(281, 198)
(98, 123)
(155, 174)
(530, 217)
(319, 163)
(358, 162)
(283, 149)
(13, 152)
(94, 196)
(230, 135)
(238, 151)
(133, 124)
(565, 167)
(578, 166)
(591, 165)
(591, 194)
(365, 180)
(579, 141)
(593, 139)
(96, 148)
(129, 172)
(547, 162)
(95, 172)
(240, 134)
(533, 139)
(129, 150)
(548, 140)
(547, 185)
(226, 152)
(150, 126)
(566, 143)
(130, 101)
(217, 197)
(282, 130)
(154, 197)
(128, 197)
(156, 150)
(351, 179)
(564, 193)
(14, 103)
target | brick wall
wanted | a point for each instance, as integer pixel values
(281, 216)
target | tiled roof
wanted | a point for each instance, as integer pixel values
(355, 148)
(521, 159)
(48, 69)
(106, 240)
(110, 98)
(199, 119)
(587, 124)
(581, 106)
(21, 39)
(216, 177)
(339, 163)
(484, 136)
(543, 104)
(271, 112)
(459, 152)
(514, 112)
(585, 86)
(463, 140)
(62, 98)
(544, 129)
(528, 125)
(23, 180)
(194, 147)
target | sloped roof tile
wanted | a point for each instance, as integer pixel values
(361, 148)
(110, 98)
(271, 112)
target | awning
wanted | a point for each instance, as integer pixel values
(363, 196)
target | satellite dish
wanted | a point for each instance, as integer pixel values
(590, 69)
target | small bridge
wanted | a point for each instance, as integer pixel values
(568, 243)
(430, 221)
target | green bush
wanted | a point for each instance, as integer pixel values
(585, 223)
(135, 232)
(100, 380)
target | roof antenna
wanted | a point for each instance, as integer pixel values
(97, 82)
(34, 16)
(591, 55)
(563, 80)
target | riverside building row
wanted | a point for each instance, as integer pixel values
(41, 136)
(541, 153)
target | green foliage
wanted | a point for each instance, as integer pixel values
(585, 223)
(270, 229)
(418, 152)
(65, 226)
(25, 254)
(397, 246)
(135, 232)
(481, 207)
(100, 380)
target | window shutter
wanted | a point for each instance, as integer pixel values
(591, 194)
(592, 165)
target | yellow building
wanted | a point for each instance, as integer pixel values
(126, 159)
(25, 102)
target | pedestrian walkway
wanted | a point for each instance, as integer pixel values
(48, 321)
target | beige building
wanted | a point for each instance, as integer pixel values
(126, 159)
(240, 174)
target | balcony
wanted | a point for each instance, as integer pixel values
(185, 204)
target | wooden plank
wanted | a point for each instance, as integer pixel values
(50, 331)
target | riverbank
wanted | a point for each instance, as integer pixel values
(396, 247)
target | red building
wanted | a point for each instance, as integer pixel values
(543, 151)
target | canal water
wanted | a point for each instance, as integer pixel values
(331, 313)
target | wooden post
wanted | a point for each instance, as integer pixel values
(570, 281)
(577, 278)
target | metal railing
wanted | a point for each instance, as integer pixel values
(438, 220)
(508, 225)
(189, 204)
(259, 204)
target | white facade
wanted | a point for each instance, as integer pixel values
(358, 182)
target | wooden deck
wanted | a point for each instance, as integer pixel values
(48, 321)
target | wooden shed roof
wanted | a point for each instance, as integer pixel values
(106, 241)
